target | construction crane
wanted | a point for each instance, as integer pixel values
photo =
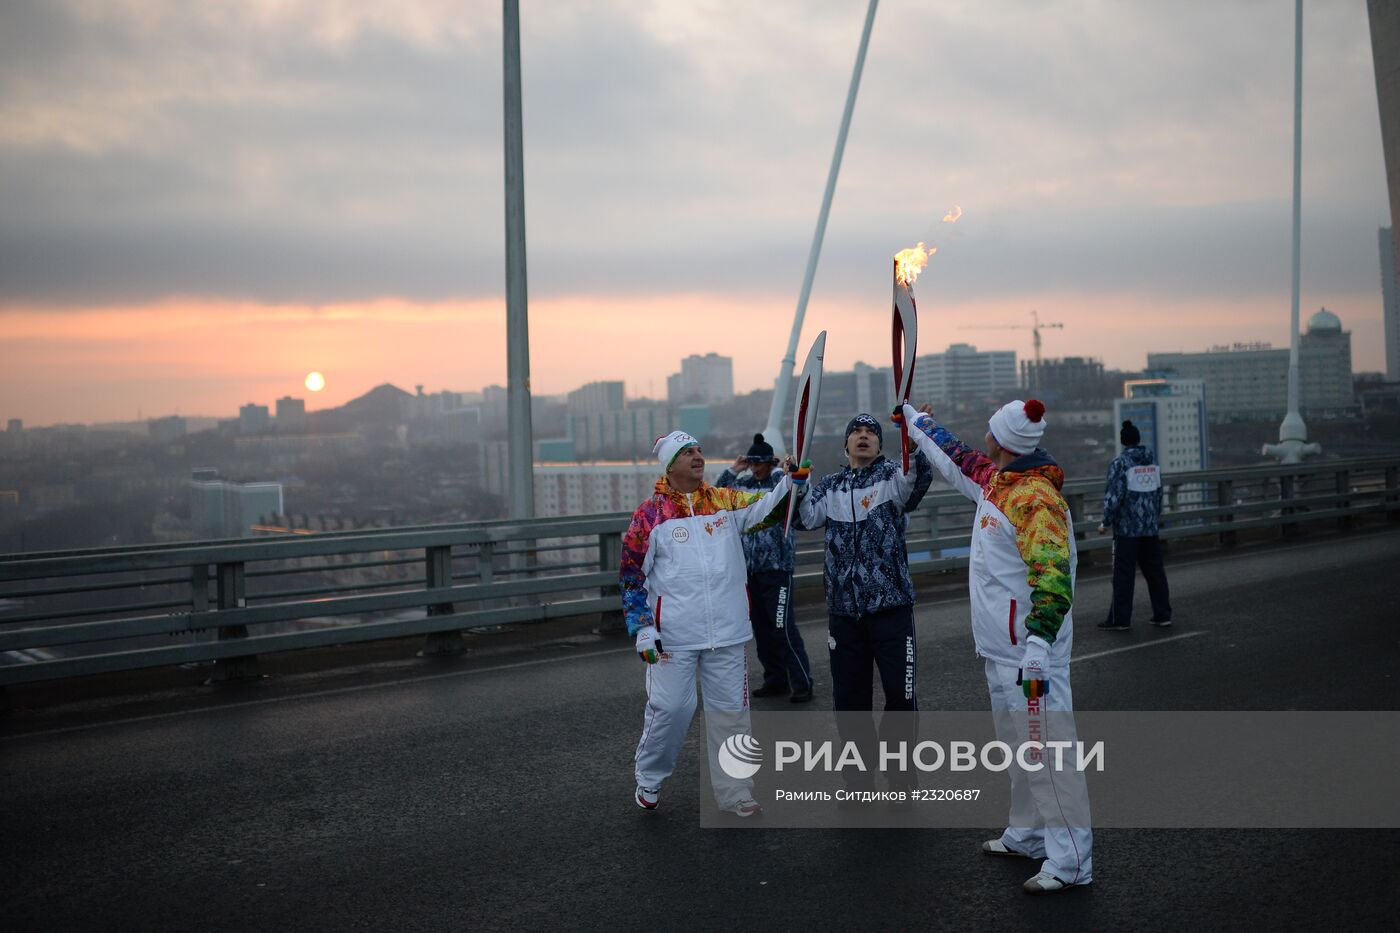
(1034, 327)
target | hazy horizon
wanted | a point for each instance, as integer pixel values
(202, 205)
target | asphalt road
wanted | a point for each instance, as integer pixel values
(496, 794)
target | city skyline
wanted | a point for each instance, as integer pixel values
(472, 396)
(205, 205)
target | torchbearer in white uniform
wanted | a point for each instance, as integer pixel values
(683, 583)
(1021, 577)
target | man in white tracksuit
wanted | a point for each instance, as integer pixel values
(683, 580)
(1021, 578)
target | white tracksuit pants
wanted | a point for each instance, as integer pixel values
(724, 677)
(1049, 808)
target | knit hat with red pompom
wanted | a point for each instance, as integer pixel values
(1018, 425)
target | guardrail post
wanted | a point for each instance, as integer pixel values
(1075, 501)
(486, 562)
(1076, 510)
(1225, 496)
(229, 592)
(199, 587)
(935, 531)
(1392, 485)
(609, 561)
(439, 575)
(1285, 494)
(1344, 522)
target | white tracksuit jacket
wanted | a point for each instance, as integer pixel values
(1022, 566)
(683, 566)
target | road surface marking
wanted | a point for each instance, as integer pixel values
(1141, 644)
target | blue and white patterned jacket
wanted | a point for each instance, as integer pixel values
(1132, 496)
(867, 565)
(768, 549)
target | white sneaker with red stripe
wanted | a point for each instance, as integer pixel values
(648, 798)
(744, 808)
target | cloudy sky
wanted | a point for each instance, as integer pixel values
(200, 203)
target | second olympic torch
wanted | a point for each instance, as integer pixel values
(908, 263)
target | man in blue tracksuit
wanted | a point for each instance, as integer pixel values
(869, 596)
(768, 554)
(1132, 508)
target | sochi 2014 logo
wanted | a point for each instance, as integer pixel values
(740, 756)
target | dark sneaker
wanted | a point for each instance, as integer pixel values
(768, 690)
(801, 696)
(1160, 623)
(1108, 625)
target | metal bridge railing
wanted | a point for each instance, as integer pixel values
(75, 613)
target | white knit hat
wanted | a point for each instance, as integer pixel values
(667, 447)
(1018, 426)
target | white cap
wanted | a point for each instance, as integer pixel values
(667, 447)
(1018, 426)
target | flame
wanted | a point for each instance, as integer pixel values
(908, 263)
(952, 216)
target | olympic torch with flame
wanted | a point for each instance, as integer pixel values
(908, 263)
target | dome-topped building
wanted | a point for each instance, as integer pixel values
(1249, 381)
(1324, 320)
(1324, 365)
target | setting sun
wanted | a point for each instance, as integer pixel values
(315, 382)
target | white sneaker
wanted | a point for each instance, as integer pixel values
(647, 797)
(997, 847)
(1045, 883)
(744, 808)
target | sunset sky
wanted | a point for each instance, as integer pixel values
(201, 203)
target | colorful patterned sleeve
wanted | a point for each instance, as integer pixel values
(966, 470)
(636, 611)
(1042, 538)
(756, 510)
(974, 464)
(1113, 489)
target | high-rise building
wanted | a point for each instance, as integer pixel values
(964, 375)
(624, 433)
(865, 388)
(15, 426)
(1171, 416)
(166, 430)
(693, 420)
(494, 406)
(1390, 303)
(1384, 17)
(223, 509)
(253, 419)
(702, 380)
(597, 396)
(291, 414)
(874, 388)
(1250, 380)
(1071, 379)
